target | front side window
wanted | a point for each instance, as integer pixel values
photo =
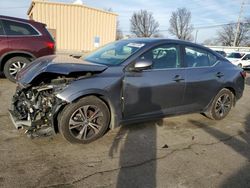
(114, 53)
(16, 28)
(165, 56)
(195, 57)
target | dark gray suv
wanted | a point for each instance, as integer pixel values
(124, 82)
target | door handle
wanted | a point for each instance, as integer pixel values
(178, 78)
(219, 74)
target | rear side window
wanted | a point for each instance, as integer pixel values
(195, 57)
(16, 28)
(1, 29)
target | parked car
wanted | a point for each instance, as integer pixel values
(123, 82)
(244, 62)
(22, 41)
(221, 52)
(234, 56)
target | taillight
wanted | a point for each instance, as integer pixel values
(243, 74)
(51, 45)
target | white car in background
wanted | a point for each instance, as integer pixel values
(244, 62)
(234, 56)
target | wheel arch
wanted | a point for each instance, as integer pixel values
(100, 94)
(11, 54)
(230, 88)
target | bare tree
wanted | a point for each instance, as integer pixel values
(180, 24)
(226, 35)
(119, 34)
(143, 24)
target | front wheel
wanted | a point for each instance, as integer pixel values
(221, 105)
(85, 120)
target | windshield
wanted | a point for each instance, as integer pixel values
(114, 53)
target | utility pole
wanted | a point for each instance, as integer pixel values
(238, 25)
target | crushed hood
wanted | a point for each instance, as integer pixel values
(60, 65)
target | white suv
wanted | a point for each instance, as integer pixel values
(244, 62)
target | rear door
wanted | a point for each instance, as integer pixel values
(156, 91)
(203, 79)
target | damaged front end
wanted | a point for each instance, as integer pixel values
(35, 104)
(35, 108)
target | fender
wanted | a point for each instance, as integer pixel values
(115, 108)
(15, 52)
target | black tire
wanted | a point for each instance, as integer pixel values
(9, 67)
(76, 113)
(215, 111)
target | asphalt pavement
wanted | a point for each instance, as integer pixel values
(182, 151)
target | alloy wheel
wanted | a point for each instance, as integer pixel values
(16, 67)
(85, 122)
(223, 105)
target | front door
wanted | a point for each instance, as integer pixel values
(158, 90)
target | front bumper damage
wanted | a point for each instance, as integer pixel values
(18, 123)
(35, 110)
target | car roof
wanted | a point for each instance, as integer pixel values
(18, 19)
(155, 40)
(162, 40)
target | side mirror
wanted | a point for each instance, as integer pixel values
(142, 65)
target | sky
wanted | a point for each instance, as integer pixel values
(204, 12)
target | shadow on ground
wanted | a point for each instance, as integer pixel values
(239, 144)
(137, 155)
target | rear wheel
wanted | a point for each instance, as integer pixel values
(221, 105)
(13, 66)
(85, 120)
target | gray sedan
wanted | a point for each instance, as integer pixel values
(123, 82)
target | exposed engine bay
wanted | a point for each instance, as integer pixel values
(34, 107)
